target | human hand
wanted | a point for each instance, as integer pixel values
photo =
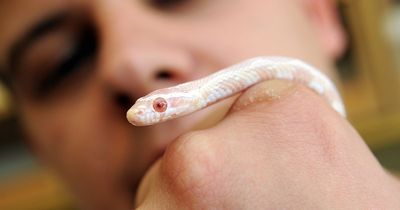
(280, 146)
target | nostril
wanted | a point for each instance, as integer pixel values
(164, 74)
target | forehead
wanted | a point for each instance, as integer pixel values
(17, 16)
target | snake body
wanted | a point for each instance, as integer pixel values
(186, 98)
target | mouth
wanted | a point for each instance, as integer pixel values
(134, 116)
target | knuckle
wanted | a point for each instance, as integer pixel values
(321, 128)
(189, 164)
(304, 122)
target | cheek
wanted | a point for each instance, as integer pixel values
(259, 28)
(82, 138)
(47, 128)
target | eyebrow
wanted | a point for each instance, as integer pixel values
(41, 28)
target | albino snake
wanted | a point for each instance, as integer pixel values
(183, 99)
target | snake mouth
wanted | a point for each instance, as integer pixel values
(134, 116)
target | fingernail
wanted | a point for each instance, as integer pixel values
(266, 91)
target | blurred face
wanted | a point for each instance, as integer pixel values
(77, 66)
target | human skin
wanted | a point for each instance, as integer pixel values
(310, 157)
(296, 153)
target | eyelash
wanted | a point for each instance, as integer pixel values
(81, 53)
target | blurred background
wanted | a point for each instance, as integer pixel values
(370, 83)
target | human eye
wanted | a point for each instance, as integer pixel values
(58, 62)
(72, 63)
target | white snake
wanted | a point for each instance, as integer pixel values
(183, 99)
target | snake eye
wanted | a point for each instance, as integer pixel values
(160, 104)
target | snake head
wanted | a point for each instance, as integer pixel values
(156, 108)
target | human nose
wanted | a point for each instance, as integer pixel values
(140, 69)
(135, 59)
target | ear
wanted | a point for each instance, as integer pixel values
(325, 17)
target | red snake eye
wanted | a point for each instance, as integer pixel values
(160, 104)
